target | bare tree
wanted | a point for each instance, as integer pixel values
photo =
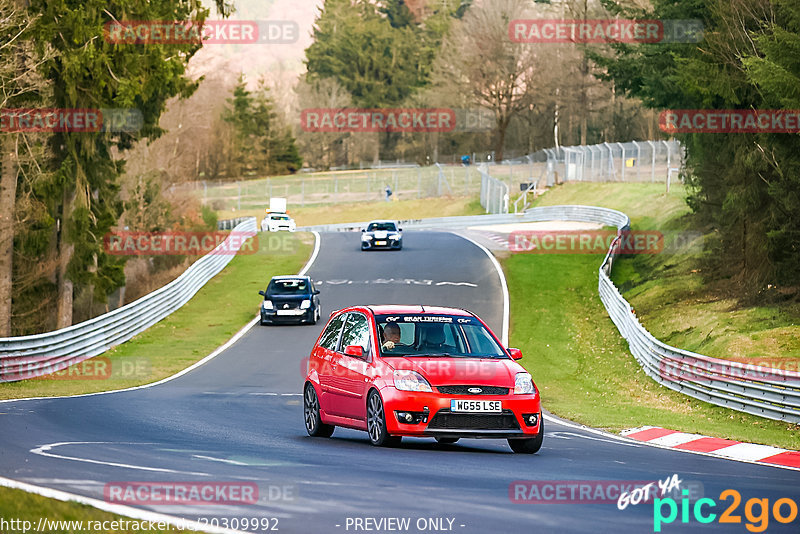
(328, 149)
(479, 61)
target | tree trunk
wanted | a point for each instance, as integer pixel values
(502, 126)
(584, 107)
(556, 121)
(584, 96)
(8, 195)
(65, 250)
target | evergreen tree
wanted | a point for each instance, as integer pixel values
(745, 185)
(88, 72)
(262, 145)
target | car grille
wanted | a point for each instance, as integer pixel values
(464, 390)
(445, 419)
(288, 305)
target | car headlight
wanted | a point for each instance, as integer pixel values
(523, 384)
(306, 304)
(267, 305)
(394, 237)
(366, 237)
(405, 380)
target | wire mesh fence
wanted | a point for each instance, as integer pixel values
(350, 186)
(635, 161)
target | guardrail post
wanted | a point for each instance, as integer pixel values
(669, 155)
(611, 172)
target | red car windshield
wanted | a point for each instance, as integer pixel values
(436, 335)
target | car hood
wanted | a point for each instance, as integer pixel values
(443, 371)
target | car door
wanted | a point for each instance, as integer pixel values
(326, 361)
(354, 371)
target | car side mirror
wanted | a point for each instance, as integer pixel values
(515, 354)
(356, 351)
(316, 291)
(363, 230)
(399, 229)
(262, 293)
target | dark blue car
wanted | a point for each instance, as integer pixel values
(290, 299)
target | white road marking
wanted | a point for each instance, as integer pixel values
(222, 460)
(503, 285)
(44, 450)
(64, 481)
(570, 435)
(313, 257)
(399, 281)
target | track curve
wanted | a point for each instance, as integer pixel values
(239, 418)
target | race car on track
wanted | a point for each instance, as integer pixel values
(290, 299)
(382, 235)
(420, 371)
(277, 221)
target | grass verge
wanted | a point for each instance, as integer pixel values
(574, 351)
(21, 506)
(365, 211)
(221, 307)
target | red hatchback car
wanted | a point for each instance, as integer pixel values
(421, 371)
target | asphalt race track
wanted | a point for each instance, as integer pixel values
(238, 418)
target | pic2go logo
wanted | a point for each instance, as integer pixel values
(783, 510)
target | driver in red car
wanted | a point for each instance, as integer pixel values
(391, 336)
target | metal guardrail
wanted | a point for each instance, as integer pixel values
(762, 391)
(29, 356)
(434, 223)
(230, 224)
